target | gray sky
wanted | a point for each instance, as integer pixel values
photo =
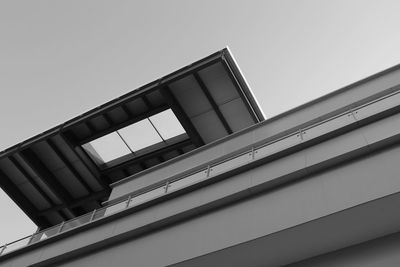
(59, 59)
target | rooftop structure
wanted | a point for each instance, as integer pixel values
(315, 186)
(67, 171)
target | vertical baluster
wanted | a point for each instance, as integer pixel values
(353, 114)
(166, 187)
(208, 171)
(252, 153)
(61, 226)
(92, 216)
(301, 134)
(128, 201)
(33, 235)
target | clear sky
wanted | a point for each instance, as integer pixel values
(59, 59)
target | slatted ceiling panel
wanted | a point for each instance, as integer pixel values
(236, 114)
(12, 172)
(25, 166)
(89, 163)
(137, 106)
(34, 196)
(47, 191)
(76, 163)
(54, 218)
(67, 214)
(90, 205)
(209, 126)
(188, 148)
(99, 123)
(126, 172)
(117, 175)
(81, 131)
(37, 180)
(171, 154)
(134, 169)
(218, 83)
(64, 148)
(46, 155)
(118, 115)
(87, 176)
(155, 98)
(23, 184)
(70, 183)
(190, 96)
(120, 159)
(152, 162)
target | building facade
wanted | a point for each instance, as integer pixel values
(185, 171)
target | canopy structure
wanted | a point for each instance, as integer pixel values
(67, 170)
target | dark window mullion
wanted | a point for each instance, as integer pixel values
(127, 145)
(155, 128)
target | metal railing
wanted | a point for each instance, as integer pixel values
(255, 153)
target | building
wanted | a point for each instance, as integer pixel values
(196, 176)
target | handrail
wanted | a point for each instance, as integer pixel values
(174, 184)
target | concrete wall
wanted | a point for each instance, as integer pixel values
(336, 102)
(317, 196)
(143, 238)
(382, 252)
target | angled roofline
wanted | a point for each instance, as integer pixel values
(223, 54)
(57, 154)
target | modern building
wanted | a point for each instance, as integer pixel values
(186, 171)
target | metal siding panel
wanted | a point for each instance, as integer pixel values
(81, 131)
(99, 123)
(134, 168)
(34, 196)
(136, 106)
(236, 114)
(89, 178)
(70, 183)
(7, 167)
(219, 84)
(64, 148)
(190, 97)
(171, 154)
(209, 126)
(48, 156)
(118, 115)
(155, 98)
(38, 180)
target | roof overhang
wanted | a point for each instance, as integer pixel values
(52, 178)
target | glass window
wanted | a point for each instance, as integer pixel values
(132, 138)
(106, 148)
(140, 135)
(167, 124)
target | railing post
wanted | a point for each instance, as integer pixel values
(33, 235)
(208, 171)
(252, 153)
(353, 114)
(128, 201)
(61, 226)
(301, 134)
(166, 187)
(92, 216)
(31, 238)
(3, 248)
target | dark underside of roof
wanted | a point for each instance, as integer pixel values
(53, 179)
